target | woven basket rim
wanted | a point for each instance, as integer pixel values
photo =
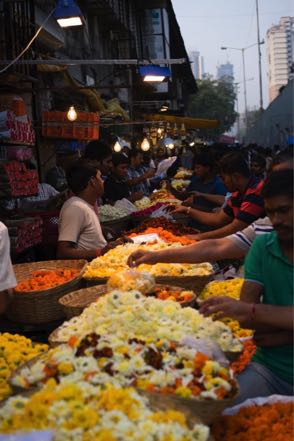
(64, 300)
(42, 265)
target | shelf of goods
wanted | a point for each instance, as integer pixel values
(24, 233)
(17, 180)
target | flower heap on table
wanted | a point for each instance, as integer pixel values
(14, 351)
(108, 213)
(231, 288)
(159, 366)
(83, 412)
(270, 422)
(45, 279)
(165, 235)
(116, 260)
(131, 315)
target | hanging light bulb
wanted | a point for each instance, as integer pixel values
(117, 147)
(72, 114)
(145, 145)
(171, 146)
(159, 131)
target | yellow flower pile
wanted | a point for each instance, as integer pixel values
(14, 351)
(86, 413)
(231, 288)
(116, 260)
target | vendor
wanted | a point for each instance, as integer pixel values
(101, 152)
(116, 187)
(266, 302)
(7, 277)
(243, 207)
(80, 234)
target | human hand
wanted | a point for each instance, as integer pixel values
(149, 173)
(179, 209)
(223, 306)
(189, 201)
(141, 256)
(137, 195)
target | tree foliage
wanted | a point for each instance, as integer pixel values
(214, 100)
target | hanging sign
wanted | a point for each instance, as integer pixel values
(16, 125)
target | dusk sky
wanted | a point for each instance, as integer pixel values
(207, 25)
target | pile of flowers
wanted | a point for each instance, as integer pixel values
(177, 295)
(116, 260)
(131, 315)
(108, 213)
(148, 211)
(166, 235)
(160, 366)
(83, 412)
(14, 351)
(46, 279)
(180, 184)
(183, 173)
(143, 203)
(174, 227)
(271, 422)
(249, 349)
(231, 288)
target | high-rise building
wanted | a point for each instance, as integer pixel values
(225, 72)
(280, 53)
(197, 65)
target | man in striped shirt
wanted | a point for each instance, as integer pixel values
(243, 207)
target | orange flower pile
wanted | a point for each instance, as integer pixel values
(167, 293)
(46, 279)
(271, 422)
(167, 236)
(239, 365)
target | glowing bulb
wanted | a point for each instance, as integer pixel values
(192, 143)
(117, 147)
(72, 114)
(171, 146)
(159, 130)
(145, 146)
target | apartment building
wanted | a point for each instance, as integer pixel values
(280, 53)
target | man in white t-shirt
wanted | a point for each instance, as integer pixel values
(80, 234)
(7, 277)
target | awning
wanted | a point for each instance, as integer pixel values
(190, 123)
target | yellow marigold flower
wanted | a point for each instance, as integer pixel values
(65, 368)
(169, 416)
(184, 392)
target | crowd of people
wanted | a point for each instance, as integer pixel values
(242, 204)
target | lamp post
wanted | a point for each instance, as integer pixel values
(237, 101)
(242, 50)
(259, 57)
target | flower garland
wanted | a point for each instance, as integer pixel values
(239, 365)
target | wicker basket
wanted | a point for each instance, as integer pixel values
(194, 283)
(194, 409)
(75, 302)
(42, 306)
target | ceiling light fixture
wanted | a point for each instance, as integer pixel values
(117, 147)
(67, 13)
(154, 73)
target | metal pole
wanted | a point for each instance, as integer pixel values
(259, 58)
(245, 91)
(67, 62)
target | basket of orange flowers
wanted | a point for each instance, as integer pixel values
(40, 285)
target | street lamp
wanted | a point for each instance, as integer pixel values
(242, 50)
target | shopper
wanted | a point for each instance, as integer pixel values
(101, 152)
(243, 207)
(258, 166)
(266, 303)
(137, 179)
(116, 187)
(80, 234)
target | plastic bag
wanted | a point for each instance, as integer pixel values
(207, 347)
(258, 401)
(126, 205)
(38, 435)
